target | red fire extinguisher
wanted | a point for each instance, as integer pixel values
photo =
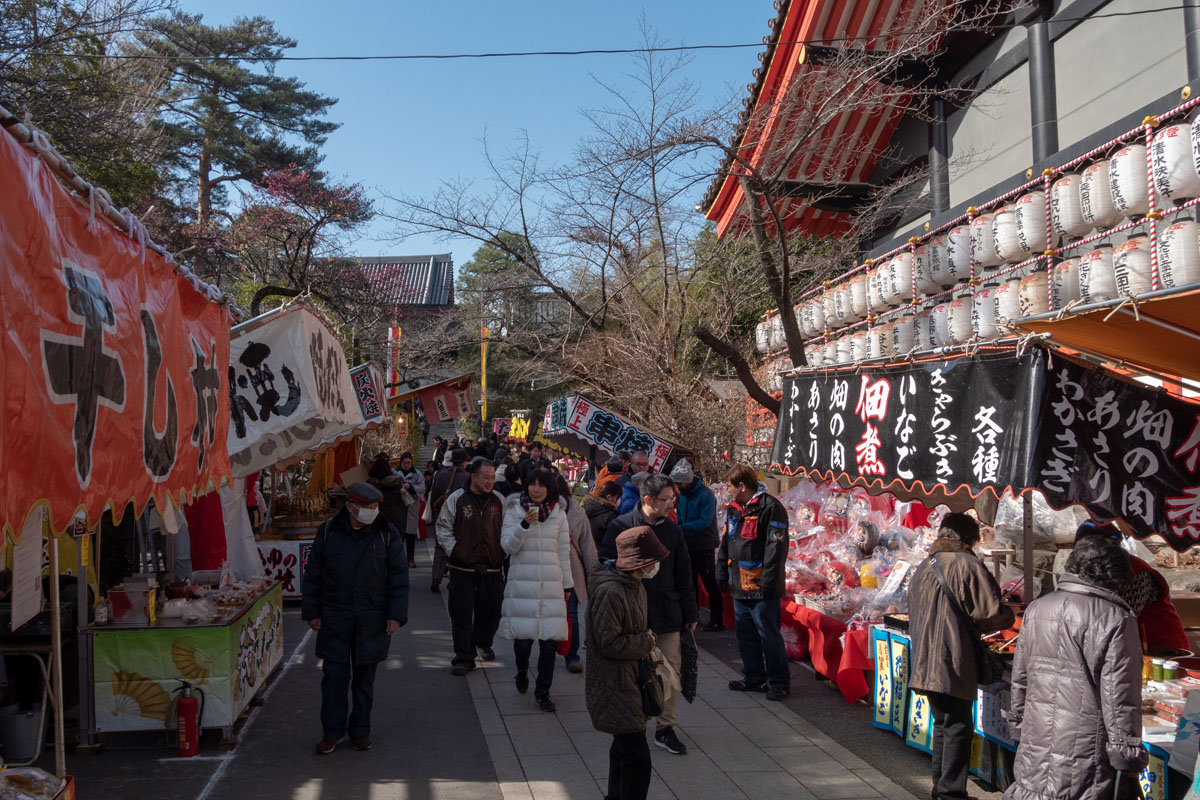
(188, 713)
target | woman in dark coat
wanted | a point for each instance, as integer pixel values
(618, 637)
(1076, 683)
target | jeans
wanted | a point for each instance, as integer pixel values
(704, 571)
(576, 632)
(760, 643)
(628, 767)
(952, 731)
(474, 605)
(547, 651)
(339, 677)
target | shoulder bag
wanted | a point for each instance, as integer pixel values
(988, 666)
(651, 686)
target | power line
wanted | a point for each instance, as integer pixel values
(589, 52)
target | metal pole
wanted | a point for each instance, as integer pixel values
(1191, 31)
(1043, 104)
(60, 753)
(939, 159)
(83, 642)
(1027, 556)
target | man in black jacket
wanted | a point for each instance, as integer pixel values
(750, 563)
(670, 599)
(355, 591)
(601, 509)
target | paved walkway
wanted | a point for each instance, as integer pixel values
(440, 737)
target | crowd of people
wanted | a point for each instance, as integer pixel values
(522, 556)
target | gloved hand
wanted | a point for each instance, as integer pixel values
(723, 586)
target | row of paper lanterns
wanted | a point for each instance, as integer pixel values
(1099, 197)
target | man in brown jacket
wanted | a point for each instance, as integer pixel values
(943, 663)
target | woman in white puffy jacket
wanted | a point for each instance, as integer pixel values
(536, 537)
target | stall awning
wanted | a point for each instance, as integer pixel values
(579, 424)
(991, 422)
(1161, 333)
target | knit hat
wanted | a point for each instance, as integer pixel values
(682, 473)
(363, 493)
(638, 548)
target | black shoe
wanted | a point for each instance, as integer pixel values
(713, 627)
(778, 694)
(667, 740)
(486, 654)
(461, 669)
(545, 703)
(742, 686)
(435, 587)
(522, 682)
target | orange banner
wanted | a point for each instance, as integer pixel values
(113, 363)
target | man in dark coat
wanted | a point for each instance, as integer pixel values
(670, 600)
(697, 518)
(601, 509)
(355, 592)
(750, 566)
(943, 657)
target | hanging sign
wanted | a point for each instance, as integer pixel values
(597, 426)
(289, 387)
(448, 401)
(955, 423)
(113, 361)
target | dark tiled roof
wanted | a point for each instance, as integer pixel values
(748, 104)
(412, 280)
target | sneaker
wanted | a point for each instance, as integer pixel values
(522, 682)
(487, 654)
(361, 743)
(667, 740)
(778, 694)
(575, 666)
(713, 627)
(461, 669)
(545, 703)
(328, 745)
(742, 686)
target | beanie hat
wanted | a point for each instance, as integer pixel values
(638, 548)
(682, 473)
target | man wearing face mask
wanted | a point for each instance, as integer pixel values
(355, 592)
(670, 598)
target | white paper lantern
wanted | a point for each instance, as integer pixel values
(923, 270)
(858, 295)
(983, 242)
(841, 303)
(1097, 282)
(1131, 266)
(845, 349)
(983, 312)
(1127, 181)
(804, 320)
(1179, 253)
(941, 273)
(828, 299)
(1031, 224)
(830, 355)
(1004, 234)
(958, 254)
(939, 325)
(762, 337)
(922, 328)
(777, 338)
(858, 344)
(816, 313)
(1066, 214)
(875, 290)
(1095, 197)
(879, 341)
(1033, 296)
(902, 278)
(1064, 278)
(903, 336)
(814, 354)
(958, 318)
(1175, 176)
(1008, 299)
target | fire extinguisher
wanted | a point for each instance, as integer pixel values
(188, 714)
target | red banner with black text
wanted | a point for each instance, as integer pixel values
(113, 362)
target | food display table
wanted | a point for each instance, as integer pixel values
(136, 669)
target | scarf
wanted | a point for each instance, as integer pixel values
(544, 509)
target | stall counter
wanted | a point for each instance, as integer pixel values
(137, 669)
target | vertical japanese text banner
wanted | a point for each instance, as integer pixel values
(447, 401)
(113, 363)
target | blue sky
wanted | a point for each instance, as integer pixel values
(406, 125)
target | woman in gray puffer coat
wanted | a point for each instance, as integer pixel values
(618, 637)
(1076, 684)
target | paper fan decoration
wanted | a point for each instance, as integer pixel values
(132, 692)
(193, 664)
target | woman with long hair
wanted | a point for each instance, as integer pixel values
(536, 538)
